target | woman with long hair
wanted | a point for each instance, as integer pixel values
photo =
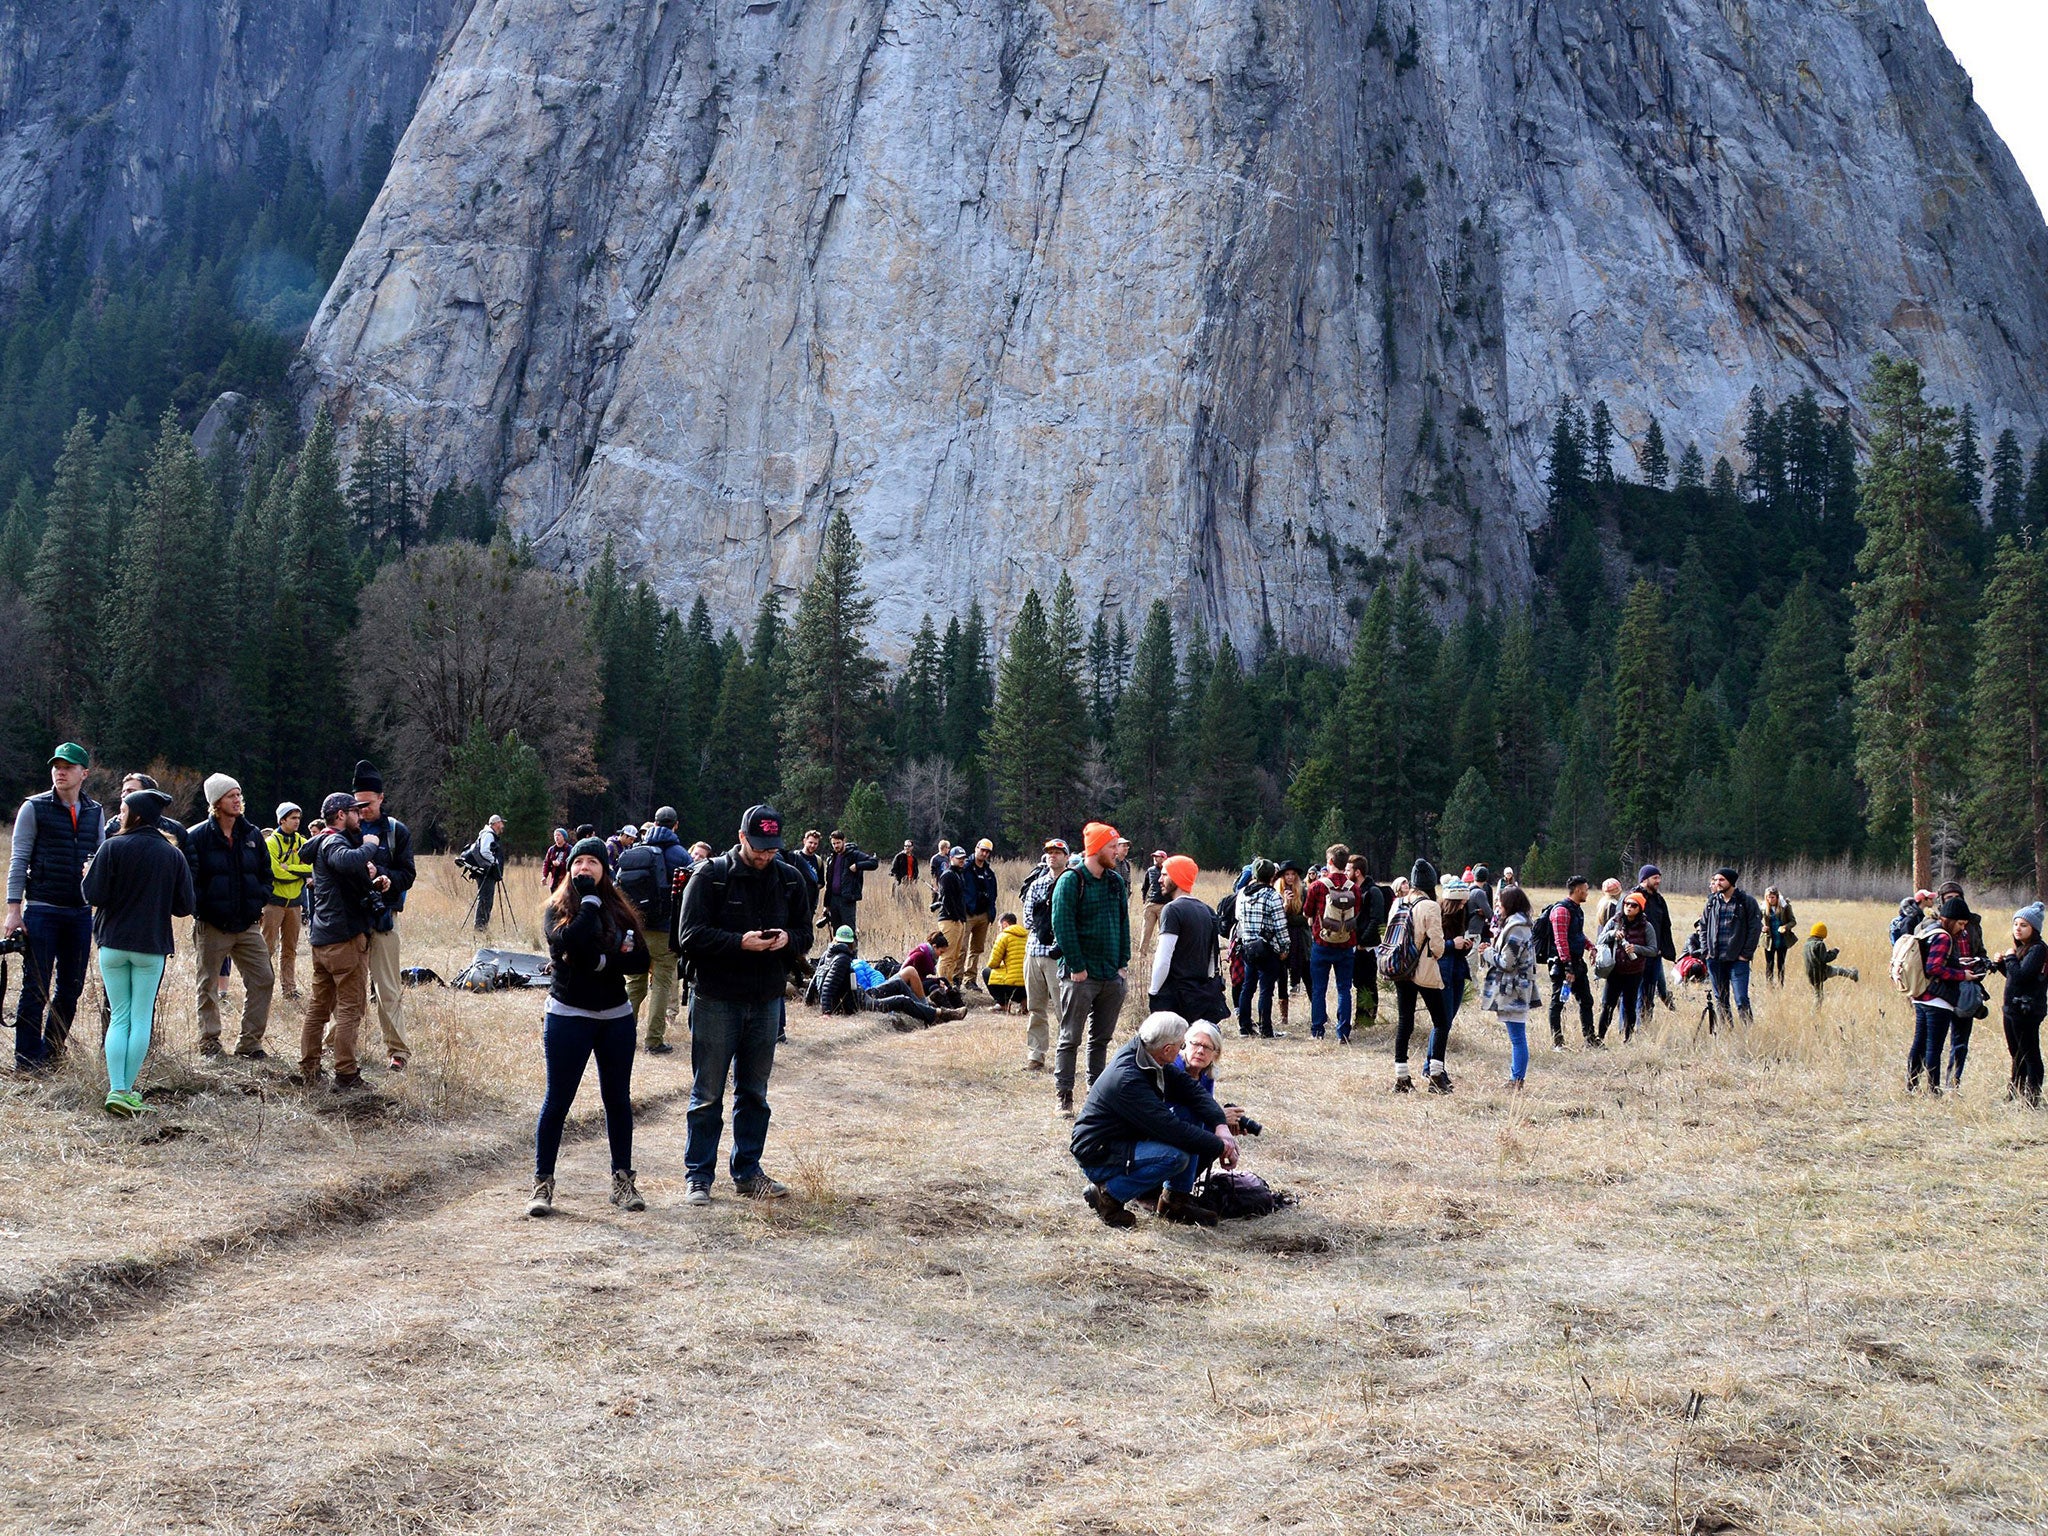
(594, 938)
(2025, 969)
(1293, 905)
(136, 884)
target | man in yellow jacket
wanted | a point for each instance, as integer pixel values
(1005, 974)
(289, 870)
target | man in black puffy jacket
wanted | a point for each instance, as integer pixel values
(231, 886)
(339, 934)
(1130, 1143)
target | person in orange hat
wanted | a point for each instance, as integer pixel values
(1091, 923)
(1185, 976)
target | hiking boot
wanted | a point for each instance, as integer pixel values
(626, 1193)
(311, 1079)
(543, 1201)
(1246, 1030)
(1404, 1085)
(254, 1053)
(1183, 1210)
(1111, 1211)
(1034, 1066)
(660, 1048)
(353, 1083)
(761, 1187)
(1066, 1106)
(950, 1015)
(1440, 1083)
(209, 1047)
(1852, 973)
(697, 1194)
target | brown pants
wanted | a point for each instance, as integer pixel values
(954, 960)
(210, 946)
(1153, 909)
(341, 980)
(281, 925)
(976, 944)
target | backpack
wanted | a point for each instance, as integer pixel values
(1909, 965)
(1607, 952)
(1399, 954)
(1546, 937)
(643, 877)
(1230, 1194)
(1338, 923)
(472, 864)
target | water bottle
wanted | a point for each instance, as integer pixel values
(1566, 995)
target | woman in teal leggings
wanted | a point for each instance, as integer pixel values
(136, 884)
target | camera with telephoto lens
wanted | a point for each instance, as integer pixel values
(1246, 1125)
(14, 944)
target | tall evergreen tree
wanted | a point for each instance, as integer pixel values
(1146, 724)
(1070, 656)
(2008, 809)
(1223, 795)
(1101, 681)
(2037, 488)
(1641, 760)
(1473, 830)
(1692, 469)
(2008, 485)
(1600, 445)
(1523, 742)
(1967, 463)
(1032, 758)
(920, 715)
(742, 767)
(1417, 778)
(68, 578)
(1655, 460)
(1578, 837)
(1911, 632)
(20, 534)
(831, 703)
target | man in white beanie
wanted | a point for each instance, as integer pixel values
(231, 884)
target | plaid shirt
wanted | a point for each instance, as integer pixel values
(1091, 921)
(1037, 905)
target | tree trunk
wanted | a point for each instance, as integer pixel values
(1923, 834)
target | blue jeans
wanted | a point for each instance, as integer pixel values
(569, 1043)
(1259, 981)
(1456, 971)
(729, 1040)
(52, 976)
(1930, 1031)
(1959, 1049)
(1725, 974)
(1152, 1164)
(1325, 961)
(1518, 1048)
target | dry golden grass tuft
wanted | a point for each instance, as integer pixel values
(1698, 1283)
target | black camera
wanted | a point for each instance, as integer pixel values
(14, 944)
(1247, 1126)
(378, 911)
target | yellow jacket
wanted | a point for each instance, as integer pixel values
(1006, 960)
(288, 873)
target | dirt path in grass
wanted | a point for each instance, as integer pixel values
(1487, 1315)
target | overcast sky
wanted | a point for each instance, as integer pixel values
(2004, 46)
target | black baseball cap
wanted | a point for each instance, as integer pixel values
(762, 828)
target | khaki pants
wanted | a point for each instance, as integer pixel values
(655, 988)
(977, 942)
(1152, 912)
(341, 976)
(954, 960)
(1042, 998)
(281, 925)
(210, 946)
(390, 991)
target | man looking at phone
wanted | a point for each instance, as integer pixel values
(745, 924)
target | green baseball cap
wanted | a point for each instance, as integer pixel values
(843, 936)
(71, 752)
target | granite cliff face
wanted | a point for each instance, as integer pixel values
(102, 106)
(1223, 300)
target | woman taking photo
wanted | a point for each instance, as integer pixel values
(594, 939)
(136, 884)
(2025, 969)
(1780, 934)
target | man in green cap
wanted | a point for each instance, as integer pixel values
(55, 833)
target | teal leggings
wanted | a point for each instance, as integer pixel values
(132, 981)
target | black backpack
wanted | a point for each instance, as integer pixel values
(643, 876)
(1231, 1194)
(1546, 936)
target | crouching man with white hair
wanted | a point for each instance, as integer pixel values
(1131, 1144)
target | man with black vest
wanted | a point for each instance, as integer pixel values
(55, 833)
(231, 885)
(390, 842)
(745, 925)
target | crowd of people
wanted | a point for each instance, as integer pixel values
(635, 922)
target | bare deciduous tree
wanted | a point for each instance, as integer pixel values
(455, 635)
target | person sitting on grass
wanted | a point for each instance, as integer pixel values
(921, 965)
(1004, 974)
(1820, 961)
(842, 989)
(593, 936)
(1131, 1144)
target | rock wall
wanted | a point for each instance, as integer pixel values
(102, 105)
(1227, 301)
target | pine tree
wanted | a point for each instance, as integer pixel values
(1523, 743)
(1911, 606)
(831, 705)
(20, 534)
(919, 717)
(1600, 445)
(1472, 830)
(2008, 808)
(2036, 514)
(68, 578)
(970, 688)
(1146, 722)
(320, 581)
(1578, 835)
(1032, 759)
(167, 670)
(2008, 485)
(1222, 791)
(1967, 463)
(1692, 469)
(1641, 761)
(1070, 658)
(1699, 609)
(742, 768)
(1565, 479)
(1655, 459)
(1417, 786)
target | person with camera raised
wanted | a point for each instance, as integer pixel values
(54, 834)
(392, 840)
(745, 924)
(231, 883)
(348, 903)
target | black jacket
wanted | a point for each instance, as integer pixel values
(981, 893)
(1735, 924)
(726, 898)
(2026, 982)
(393, 857)
(593, 956)
(837, 990)
(808, 870)
(338, 890)
(230, 883)
(1133, 1101)
(137, 883)
(953, 896)
(1659, 914)
(846, 873)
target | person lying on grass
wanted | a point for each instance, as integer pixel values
(846, 984)
(1130, 1142)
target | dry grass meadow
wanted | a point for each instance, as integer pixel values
(1737, 1283)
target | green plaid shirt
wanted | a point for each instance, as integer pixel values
(1091, 922)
